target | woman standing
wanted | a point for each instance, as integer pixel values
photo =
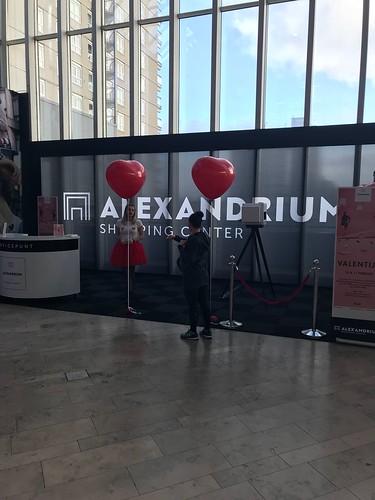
(128, 251)
(193, 262)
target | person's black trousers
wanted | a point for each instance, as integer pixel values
(195, 297)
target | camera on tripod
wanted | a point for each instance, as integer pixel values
(254, 214)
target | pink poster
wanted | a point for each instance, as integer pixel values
(47, 215)
(354, 273)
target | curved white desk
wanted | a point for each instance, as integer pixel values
(34, 267)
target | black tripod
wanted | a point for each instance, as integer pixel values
(255, 239)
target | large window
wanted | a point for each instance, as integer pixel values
(238, 69)
(49, 108)
(46, 17)
(154, 8)
(17, 67)
(82, 124)
(195, 74)
(337, 51)
(117, 84)
(76, 74)
(15, 22)
(286, 64)
(198, 65)
(115, 11)
(155, 78)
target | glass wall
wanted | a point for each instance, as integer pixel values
(151, 67)
(72, 180)
(298, 186)
(328, 168)
(280, 186)
(368, 164)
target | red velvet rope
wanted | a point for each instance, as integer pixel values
(273, 302)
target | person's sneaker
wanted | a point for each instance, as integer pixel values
(206, 333)
(189, 335)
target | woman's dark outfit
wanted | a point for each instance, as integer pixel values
(193, 263)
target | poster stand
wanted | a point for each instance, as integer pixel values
(353, 305)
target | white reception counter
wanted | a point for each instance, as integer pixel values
(34, 267)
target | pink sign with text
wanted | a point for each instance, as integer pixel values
(354, 273)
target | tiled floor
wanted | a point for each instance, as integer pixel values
(244, 416)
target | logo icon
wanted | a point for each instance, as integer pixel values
(76, 203)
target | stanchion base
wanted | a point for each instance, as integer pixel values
(313, 333)
(230, 324)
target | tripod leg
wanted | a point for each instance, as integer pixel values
(264, 260)
(256, 251)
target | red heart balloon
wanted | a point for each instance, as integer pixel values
(213, 176)
(126, 177)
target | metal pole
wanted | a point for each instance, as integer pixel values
(313, 332)
(230, 323)
(211, 233)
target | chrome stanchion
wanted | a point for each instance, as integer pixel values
(230, 323)
(313, 332)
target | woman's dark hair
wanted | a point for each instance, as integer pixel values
(195, 219)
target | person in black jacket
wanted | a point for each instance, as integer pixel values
(193, 262)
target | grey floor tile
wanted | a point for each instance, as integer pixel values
(211, 432)
(21, 479)
(128, 419)
(5, 448)
(348, 467)
(249, 471)
(242, 491)
(275, 416)
(297, 483)
(174, 469)
(119, 436)
(66, 413)
(97, 460)
(7, 425)
(264, 444)
(29, 457)
(184, 491)
(337, 424)
(342, 494)
(52, 435)
(212, 400)
(319, 450)
(114, 485)
(359, 438)
(365, 490)
(210, 416)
